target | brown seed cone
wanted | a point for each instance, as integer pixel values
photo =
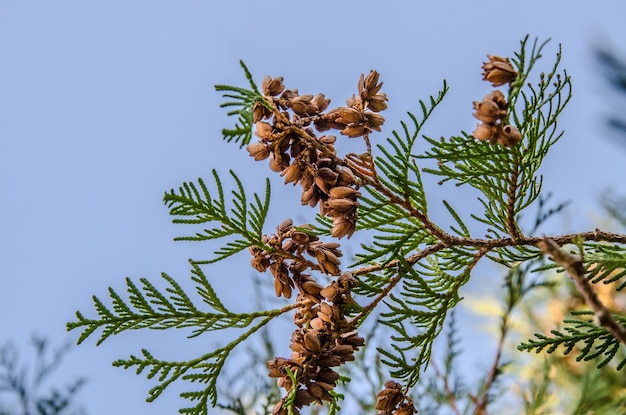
(342, 205)
(355, 130)
(302, 105)
(303, 398)
(488, 111)
(276, 163)
(343, 227)
(498, 71)
(352, 339)
(301, 238)
(272, 86)
(263, 130)
(374, 120)
(498, 97)
(319, 392)
(258, 150)
(285, 226)
(345, 178)
(292, 173)
(390, 397)
(341, 192)
(259, 112)
(509, 136)
(485, 132)
(312, 343)
(330, 361)
(311, 196)
(327, 376)
(349, 115)
(378, 102)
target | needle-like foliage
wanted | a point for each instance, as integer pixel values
(194, 205)
(406, 279)
(596, 341)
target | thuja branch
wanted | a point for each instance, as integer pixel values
(574, 267)
(382, 193)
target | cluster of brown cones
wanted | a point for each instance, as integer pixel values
(492, 111)
(287, 138)
(322, 341)
(286, 259)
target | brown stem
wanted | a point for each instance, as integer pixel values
(392, 282)
(482, 401)
(573, 264)
(489, 244)
(446, 388)
(511, 223)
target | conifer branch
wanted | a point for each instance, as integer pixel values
(574, 267)
(380, 191)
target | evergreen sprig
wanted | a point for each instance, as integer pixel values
(145, 306)
(607, 264)
(398, 232)
(148, 307)
(202, 370)
(417, 313)
(194, 205)
(243, 101)
(507, 177)
(411, 271)
(597, 340)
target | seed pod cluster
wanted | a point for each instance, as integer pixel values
(287, 137)
(323, 340)
(287, 262)
(392, 401)
(493, 109)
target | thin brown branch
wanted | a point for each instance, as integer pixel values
(446, 388)
(482, 401)
(489, 244)
(412, 259)
(573, 264)
(511, 223)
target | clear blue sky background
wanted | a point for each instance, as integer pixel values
(104, 105)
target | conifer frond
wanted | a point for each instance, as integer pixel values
(418, 312)
(507, 177)
(243, 101)
(371, 284)
(587, 339)
(398, 233)
(462, 230)
(146, 306)
(606, 263)
(202, 370)
(400, 173)
(394, 240)
(193, 205)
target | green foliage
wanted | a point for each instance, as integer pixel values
(607, 264)
(243, 101)
(408, 277)
(148, 307)
(203, 370)
(597, 341)
(398, 232)
(418, 312)
(193, 206)
(507, 177)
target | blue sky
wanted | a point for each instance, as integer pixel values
(106, 105)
